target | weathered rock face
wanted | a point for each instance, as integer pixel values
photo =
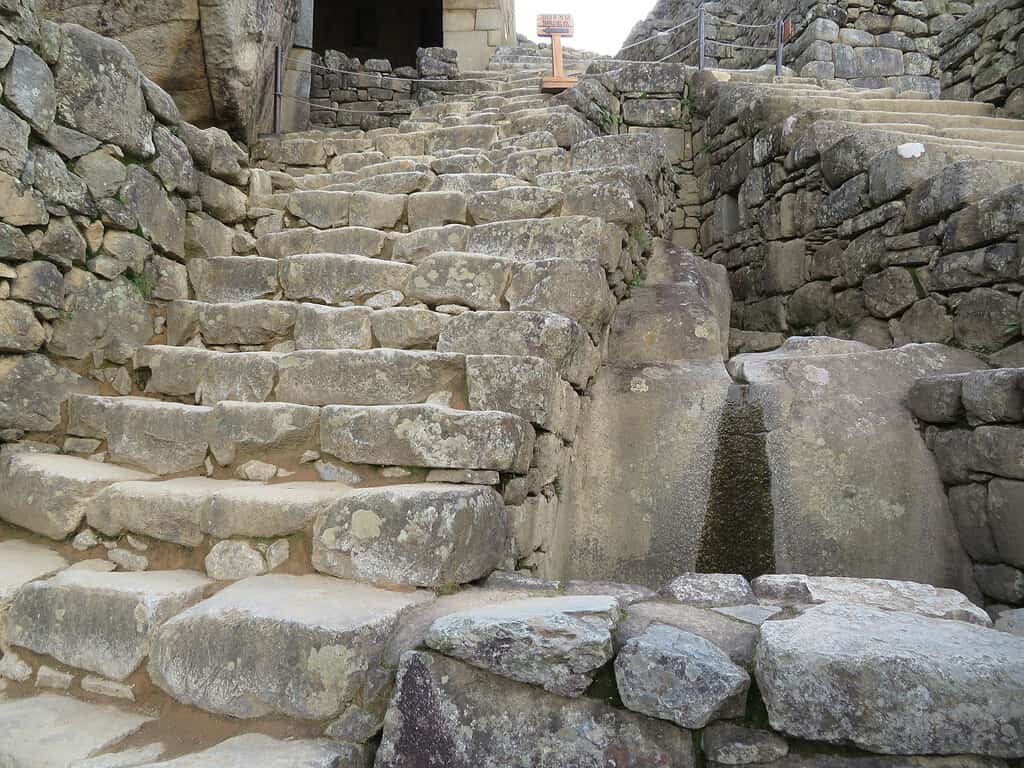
(894, 683)
(678, 676)
(215, 58)
(447, 713)
(92, 74)
(906, 596)
(874, 506)
(556, 643)
(32, 390)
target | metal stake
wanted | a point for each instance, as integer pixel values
(700, 37)
(278, 82)
(778, 46)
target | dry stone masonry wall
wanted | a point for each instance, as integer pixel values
(869, 45)
(973, 424)
(982, 58)
(346, 92)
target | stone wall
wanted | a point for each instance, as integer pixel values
(982, 57)
(974, 423)
(345, 91)
(99, 210)
(869, 44)
(215, 57)
(477, 28)
(846, 231)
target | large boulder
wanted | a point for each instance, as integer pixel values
(447, 713)
(854, 488)
(94, 73)
(893, 682)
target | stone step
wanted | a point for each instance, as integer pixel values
(935, 120)
(978, 138)
(304, 647)
(100, 622)
(255, 749)
(151, 435)
(233, 278)
(360, 241)
(513, 379)
(48, 493)
(430, 436)
(22, 562)
(428, 142)
(316, 377)
(186, 510)
(424, 535)
(53, 731)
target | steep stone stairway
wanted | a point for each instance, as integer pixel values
(365, 427)
(384, 395)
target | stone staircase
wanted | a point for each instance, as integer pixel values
(374, 406)
(369, 424)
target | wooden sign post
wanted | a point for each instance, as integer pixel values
(556, 26)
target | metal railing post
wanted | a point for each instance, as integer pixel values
(278, 85)
(700, 37)
(778, 46)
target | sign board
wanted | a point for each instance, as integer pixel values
(550, 24)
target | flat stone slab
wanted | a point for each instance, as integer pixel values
(51, 731)
(102, 622)
(299, 646)
(427, 436)
(558, 643)
(255, 749)
(22, 562)
(893, 682)
(186, 509)
(679, 676)
(46, 493)
(907, 596)
(425, 534)
(447, 713)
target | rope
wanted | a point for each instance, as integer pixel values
(747, 47)
(666, 58)
(737, 24)
(662, 33)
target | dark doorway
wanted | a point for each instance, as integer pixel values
(378, 29)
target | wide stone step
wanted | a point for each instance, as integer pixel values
(234, 278)
(334, 278)
(933, 119)
(151, 435)
(327, 377)
(47, 493)
(427, 436)
(49, 730)
(186, 510)
(425, 535)
(1012, 141)
(255, 749)
(307, 647)
(100, 622)
(360, 241)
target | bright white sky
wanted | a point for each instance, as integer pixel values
(601, 25)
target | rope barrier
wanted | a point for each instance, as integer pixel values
(745, 47)
(737, 24)
(662, 33)
(666, 58)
